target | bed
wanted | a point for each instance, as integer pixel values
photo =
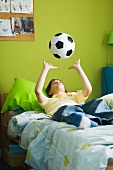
(56, 145)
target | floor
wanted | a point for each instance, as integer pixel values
(5, 166)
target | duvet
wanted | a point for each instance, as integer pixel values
(53, 145)
(59, 146)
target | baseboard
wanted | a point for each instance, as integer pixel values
(0, 153)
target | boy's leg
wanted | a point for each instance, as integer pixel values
(73, 115)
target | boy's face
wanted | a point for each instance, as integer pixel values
(57, 86)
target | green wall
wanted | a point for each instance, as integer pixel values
(89, 22)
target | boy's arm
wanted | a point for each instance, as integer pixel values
(87, 86)
(40, 83)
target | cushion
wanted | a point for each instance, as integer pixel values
(22, 95)
(109, 100)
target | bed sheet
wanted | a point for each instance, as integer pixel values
(18, 122)
(59, 146)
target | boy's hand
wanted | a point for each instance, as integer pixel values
(48, 65)
(76, 65)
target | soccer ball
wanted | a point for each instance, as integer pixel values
(62, 45)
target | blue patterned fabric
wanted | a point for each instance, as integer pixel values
(53, 145)
(96, 110)
(60, 146)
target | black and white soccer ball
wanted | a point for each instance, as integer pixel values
(62, 45)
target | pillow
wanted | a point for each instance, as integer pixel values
(109, 100)
(22, 95)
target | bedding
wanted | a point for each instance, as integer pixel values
(60, 146)
(57, 145)
(18, 122)
(109, 100)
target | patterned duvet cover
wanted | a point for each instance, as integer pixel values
(55, 145)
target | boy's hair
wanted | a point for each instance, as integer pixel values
(49, 87)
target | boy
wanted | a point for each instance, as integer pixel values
(60, 105)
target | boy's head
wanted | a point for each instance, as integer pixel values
(54, 86)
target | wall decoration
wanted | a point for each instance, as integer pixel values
(4, 5)
(5, 28)
(22, 6)
(17, 23)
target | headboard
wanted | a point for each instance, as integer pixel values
(2, 119)
(13, 160)
(4, 122)
(2, 99)
(4, 116)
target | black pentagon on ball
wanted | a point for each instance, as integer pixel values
(49, 44)
(70, 39)
(57, 56)
(58, 34)
(69, 52)
(59, 44)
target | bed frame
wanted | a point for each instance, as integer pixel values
(17, 159)
(13, 159)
